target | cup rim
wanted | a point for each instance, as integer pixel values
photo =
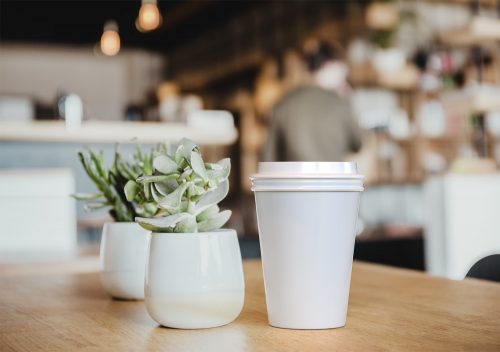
(308, 184)
(306, 176)
(205, 233)
(307, 169)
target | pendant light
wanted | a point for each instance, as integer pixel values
(110, 39)
(149, 17)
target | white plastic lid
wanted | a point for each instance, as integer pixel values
(303, 169)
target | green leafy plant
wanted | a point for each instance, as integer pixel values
(185, 191)
(111, 183)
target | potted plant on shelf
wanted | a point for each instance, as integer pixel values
(194, 276)
(123, 250)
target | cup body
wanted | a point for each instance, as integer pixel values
(194, 280)
(307, 227)
(123, 254)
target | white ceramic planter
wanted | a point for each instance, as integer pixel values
(194, 280)
(123, 257)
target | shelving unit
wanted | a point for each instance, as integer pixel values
(479, 33)
(407, 92)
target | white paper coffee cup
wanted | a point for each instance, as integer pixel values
(306, 213)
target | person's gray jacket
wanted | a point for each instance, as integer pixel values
(311, 124)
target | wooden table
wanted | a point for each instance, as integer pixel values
(63, 308)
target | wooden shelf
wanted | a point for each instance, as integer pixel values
(404, 141)
(113, 132)
(479, 31)
(473, 100)
(404, 80)
(442, 139)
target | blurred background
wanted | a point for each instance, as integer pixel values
(422, 82)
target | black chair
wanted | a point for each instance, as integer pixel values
(487, 268)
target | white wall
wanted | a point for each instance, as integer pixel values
(106, 84)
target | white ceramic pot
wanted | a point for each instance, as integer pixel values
(194, 280)
(123, 255)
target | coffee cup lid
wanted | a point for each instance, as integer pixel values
(307, 169)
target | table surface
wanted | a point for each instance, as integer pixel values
(62, 307)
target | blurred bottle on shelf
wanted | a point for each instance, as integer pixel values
(70, 108)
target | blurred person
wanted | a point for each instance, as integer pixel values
(314, 122)
(295, 72)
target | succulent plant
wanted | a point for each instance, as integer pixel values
(111, 183)
(184, 189)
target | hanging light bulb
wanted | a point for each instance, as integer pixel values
(149, 17)
(110, 39)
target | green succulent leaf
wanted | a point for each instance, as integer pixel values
(98, 164)
(157, 178)
(172, 202)
(194, 190)
(163, 223)
(187, 172)
(184, 149)
(148, 164)
(131, 190)
(138, 156)
(215, 222)
(198, 165)
(219, 174)
(208, 213)
(157, 196)
(212, 197)
(166, 187)
(146, 210)
(95, 205)
(222, 168)
(146, 189)
(86, 196)
(224, 163)
(164, 164)
(150, 208)
(187, 225)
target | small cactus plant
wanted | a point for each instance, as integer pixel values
(183, 189)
